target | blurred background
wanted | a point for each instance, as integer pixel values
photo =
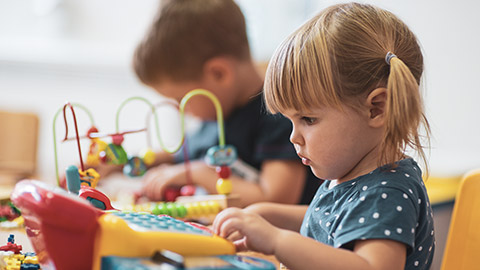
(54, 51)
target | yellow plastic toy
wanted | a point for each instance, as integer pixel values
(140, 235)
(96, 147)
(89, 177)
(463, 242)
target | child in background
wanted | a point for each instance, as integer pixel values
(203, 44)
(348, 80)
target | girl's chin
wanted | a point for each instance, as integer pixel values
(319, 174)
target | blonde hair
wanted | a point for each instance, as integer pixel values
(338, 57)
(187, 33)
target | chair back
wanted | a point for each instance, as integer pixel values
(18, 145)
(463, 242)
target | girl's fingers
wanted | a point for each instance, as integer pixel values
(230, 226)
(240, 245)
(222, 217)
(235, 236)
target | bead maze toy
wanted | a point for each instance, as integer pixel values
(220, 156)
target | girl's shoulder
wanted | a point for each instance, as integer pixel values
(405, 179)
(406, 172)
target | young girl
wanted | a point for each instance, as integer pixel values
(348, 80)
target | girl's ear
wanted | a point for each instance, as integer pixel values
(376, 101)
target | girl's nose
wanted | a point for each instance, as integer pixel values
(296, 137)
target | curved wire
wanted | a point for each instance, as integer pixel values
(147, 122)
(218, 109)
(90, 116)
(157, 129)
(183, 103)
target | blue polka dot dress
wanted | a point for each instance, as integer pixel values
(384, 204)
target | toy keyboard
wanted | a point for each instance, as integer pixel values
(141, 235)
(162, 223)
(67, 232)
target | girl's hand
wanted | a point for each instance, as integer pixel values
(247, 230)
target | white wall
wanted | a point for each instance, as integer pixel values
(79, 50)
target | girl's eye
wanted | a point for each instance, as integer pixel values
(309, 120)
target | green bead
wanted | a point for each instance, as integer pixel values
(172, 208)
(163, 209)
(155, 210)
(181, 210)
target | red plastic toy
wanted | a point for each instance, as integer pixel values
(57, 232)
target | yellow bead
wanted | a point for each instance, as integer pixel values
(191, 211)
(197, 209)
(148, 156)
(214, 207)
(224, 186)
(204, 207)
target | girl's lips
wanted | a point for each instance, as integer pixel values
(305, 160)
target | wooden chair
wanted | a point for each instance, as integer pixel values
(18, 146)
(463, 242)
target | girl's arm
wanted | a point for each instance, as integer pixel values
(285, 216)
(299, 252)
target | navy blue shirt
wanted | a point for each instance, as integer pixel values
(384, 204)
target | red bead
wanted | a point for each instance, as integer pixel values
(171, 194)
(187, 190)
(223, 172)
(91, 130)
(117, 139)
(102, 156)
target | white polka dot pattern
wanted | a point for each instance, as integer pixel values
(381, 205)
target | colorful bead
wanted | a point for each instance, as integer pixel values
(117, 139)
(134, 167)
(115, 154)
(148, 156)
(224, 186)
(97, 146)
(187, 190)
(223, 171)
(171, 194)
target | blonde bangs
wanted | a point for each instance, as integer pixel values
(299, 75)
